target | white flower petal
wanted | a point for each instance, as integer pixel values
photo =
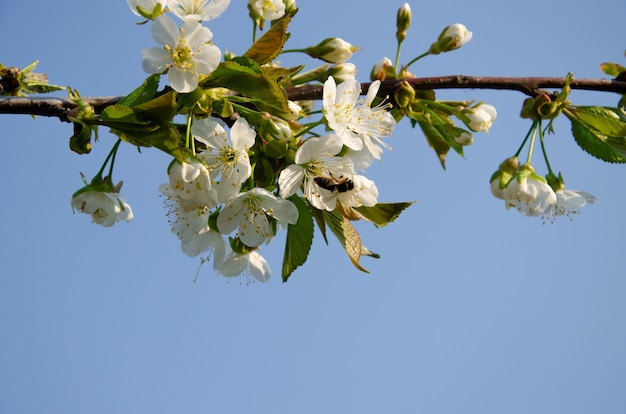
(182, 81)
(290, 179)
(241, 135)
(155, 60)
(258, 267)
(164, 31)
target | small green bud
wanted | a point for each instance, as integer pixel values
(528, 109)
(271, 127)
(503, 175)
(276, 149)
(404, 95)
(403, 21)
(556, 183)
(544, 106)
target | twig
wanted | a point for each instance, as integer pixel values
(58, 107)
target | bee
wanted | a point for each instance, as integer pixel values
(341, 184)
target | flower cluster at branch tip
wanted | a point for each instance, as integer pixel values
(531, 194)
(248, 161)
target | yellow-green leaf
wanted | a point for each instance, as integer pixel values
(268, 46)
(347, 236)
(383, 213)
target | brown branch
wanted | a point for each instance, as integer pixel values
(528, 86)
(58, 107)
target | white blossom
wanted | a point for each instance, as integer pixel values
(248, 214)
(315, 161)
(145, 8)
(105, 208)
(191, 181)
(200, 10)
(353, 119)
(191, 226)
(568, 203)
(251, 262)
(529, 193)
(185, 52)
(267, 9)
(228, 158)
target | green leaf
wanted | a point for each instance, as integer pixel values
(278, 73)
(36, 87)
(247, 81)
(161, 134)
(122, 114)
(318, 215)
(612, 69)
(347, 236)
(618, 144)
(435, 140)
(592, 142)
(299, 238)
(187, 101)
(383, 213)
(162, 108)
(165, 137)
(605, 121)
(268, 46)
(143, 93)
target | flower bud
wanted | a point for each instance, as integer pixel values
(148, 9)
(332, 50)
(342, 71)
(383, 70)
(462, 137)
(403, 22)
(479, 118)
(404, 95)
(272, 127)
(545, 107)
(451, 38)
(503, 175)
(290, 5)
(527, 109)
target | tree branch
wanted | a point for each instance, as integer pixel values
(58, 107)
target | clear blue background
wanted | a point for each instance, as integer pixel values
(471, 309)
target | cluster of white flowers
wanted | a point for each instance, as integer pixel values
(211, 184)
(531, 195)
(231, 186)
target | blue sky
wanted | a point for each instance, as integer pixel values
(471, 308)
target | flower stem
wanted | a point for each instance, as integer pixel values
(417, 58)
(292, 51)
(309, 127)
(532, 142)
(110, 156)
(395, 65)
(532, 127)
(189, 141)
(543, 149)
